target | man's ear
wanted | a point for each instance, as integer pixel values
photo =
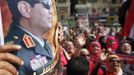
(24, 8)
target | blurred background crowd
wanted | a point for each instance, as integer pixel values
(100, 37)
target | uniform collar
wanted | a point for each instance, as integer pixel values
(15, 30)
(41, 42)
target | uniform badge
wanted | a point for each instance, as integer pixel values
(37, 62)
(28, 41)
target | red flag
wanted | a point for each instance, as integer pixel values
(128, 59)
(129, 20)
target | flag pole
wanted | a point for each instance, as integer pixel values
(1, 30)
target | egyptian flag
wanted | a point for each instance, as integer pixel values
(128, 27)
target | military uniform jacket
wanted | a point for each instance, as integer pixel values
(37, 60)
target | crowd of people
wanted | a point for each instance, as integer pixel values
(100, 50)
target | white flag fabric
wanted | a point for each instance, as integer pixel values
(1, 30)
(124, 1)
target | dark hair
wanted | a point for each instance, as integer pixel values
(78, 66)
(103, 44)
(14, 9)
(118, 51)
(122, 11)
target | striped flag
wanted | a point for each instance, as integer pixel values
(128, 28)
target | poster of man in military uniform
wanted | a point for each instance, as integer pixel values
(33, 22)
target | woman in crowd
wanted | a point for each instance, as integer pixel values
(111, 44)
(95, 51)
(113, 65)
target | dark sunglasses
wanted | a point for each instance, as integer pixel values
(115, 60)
(46, 3)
